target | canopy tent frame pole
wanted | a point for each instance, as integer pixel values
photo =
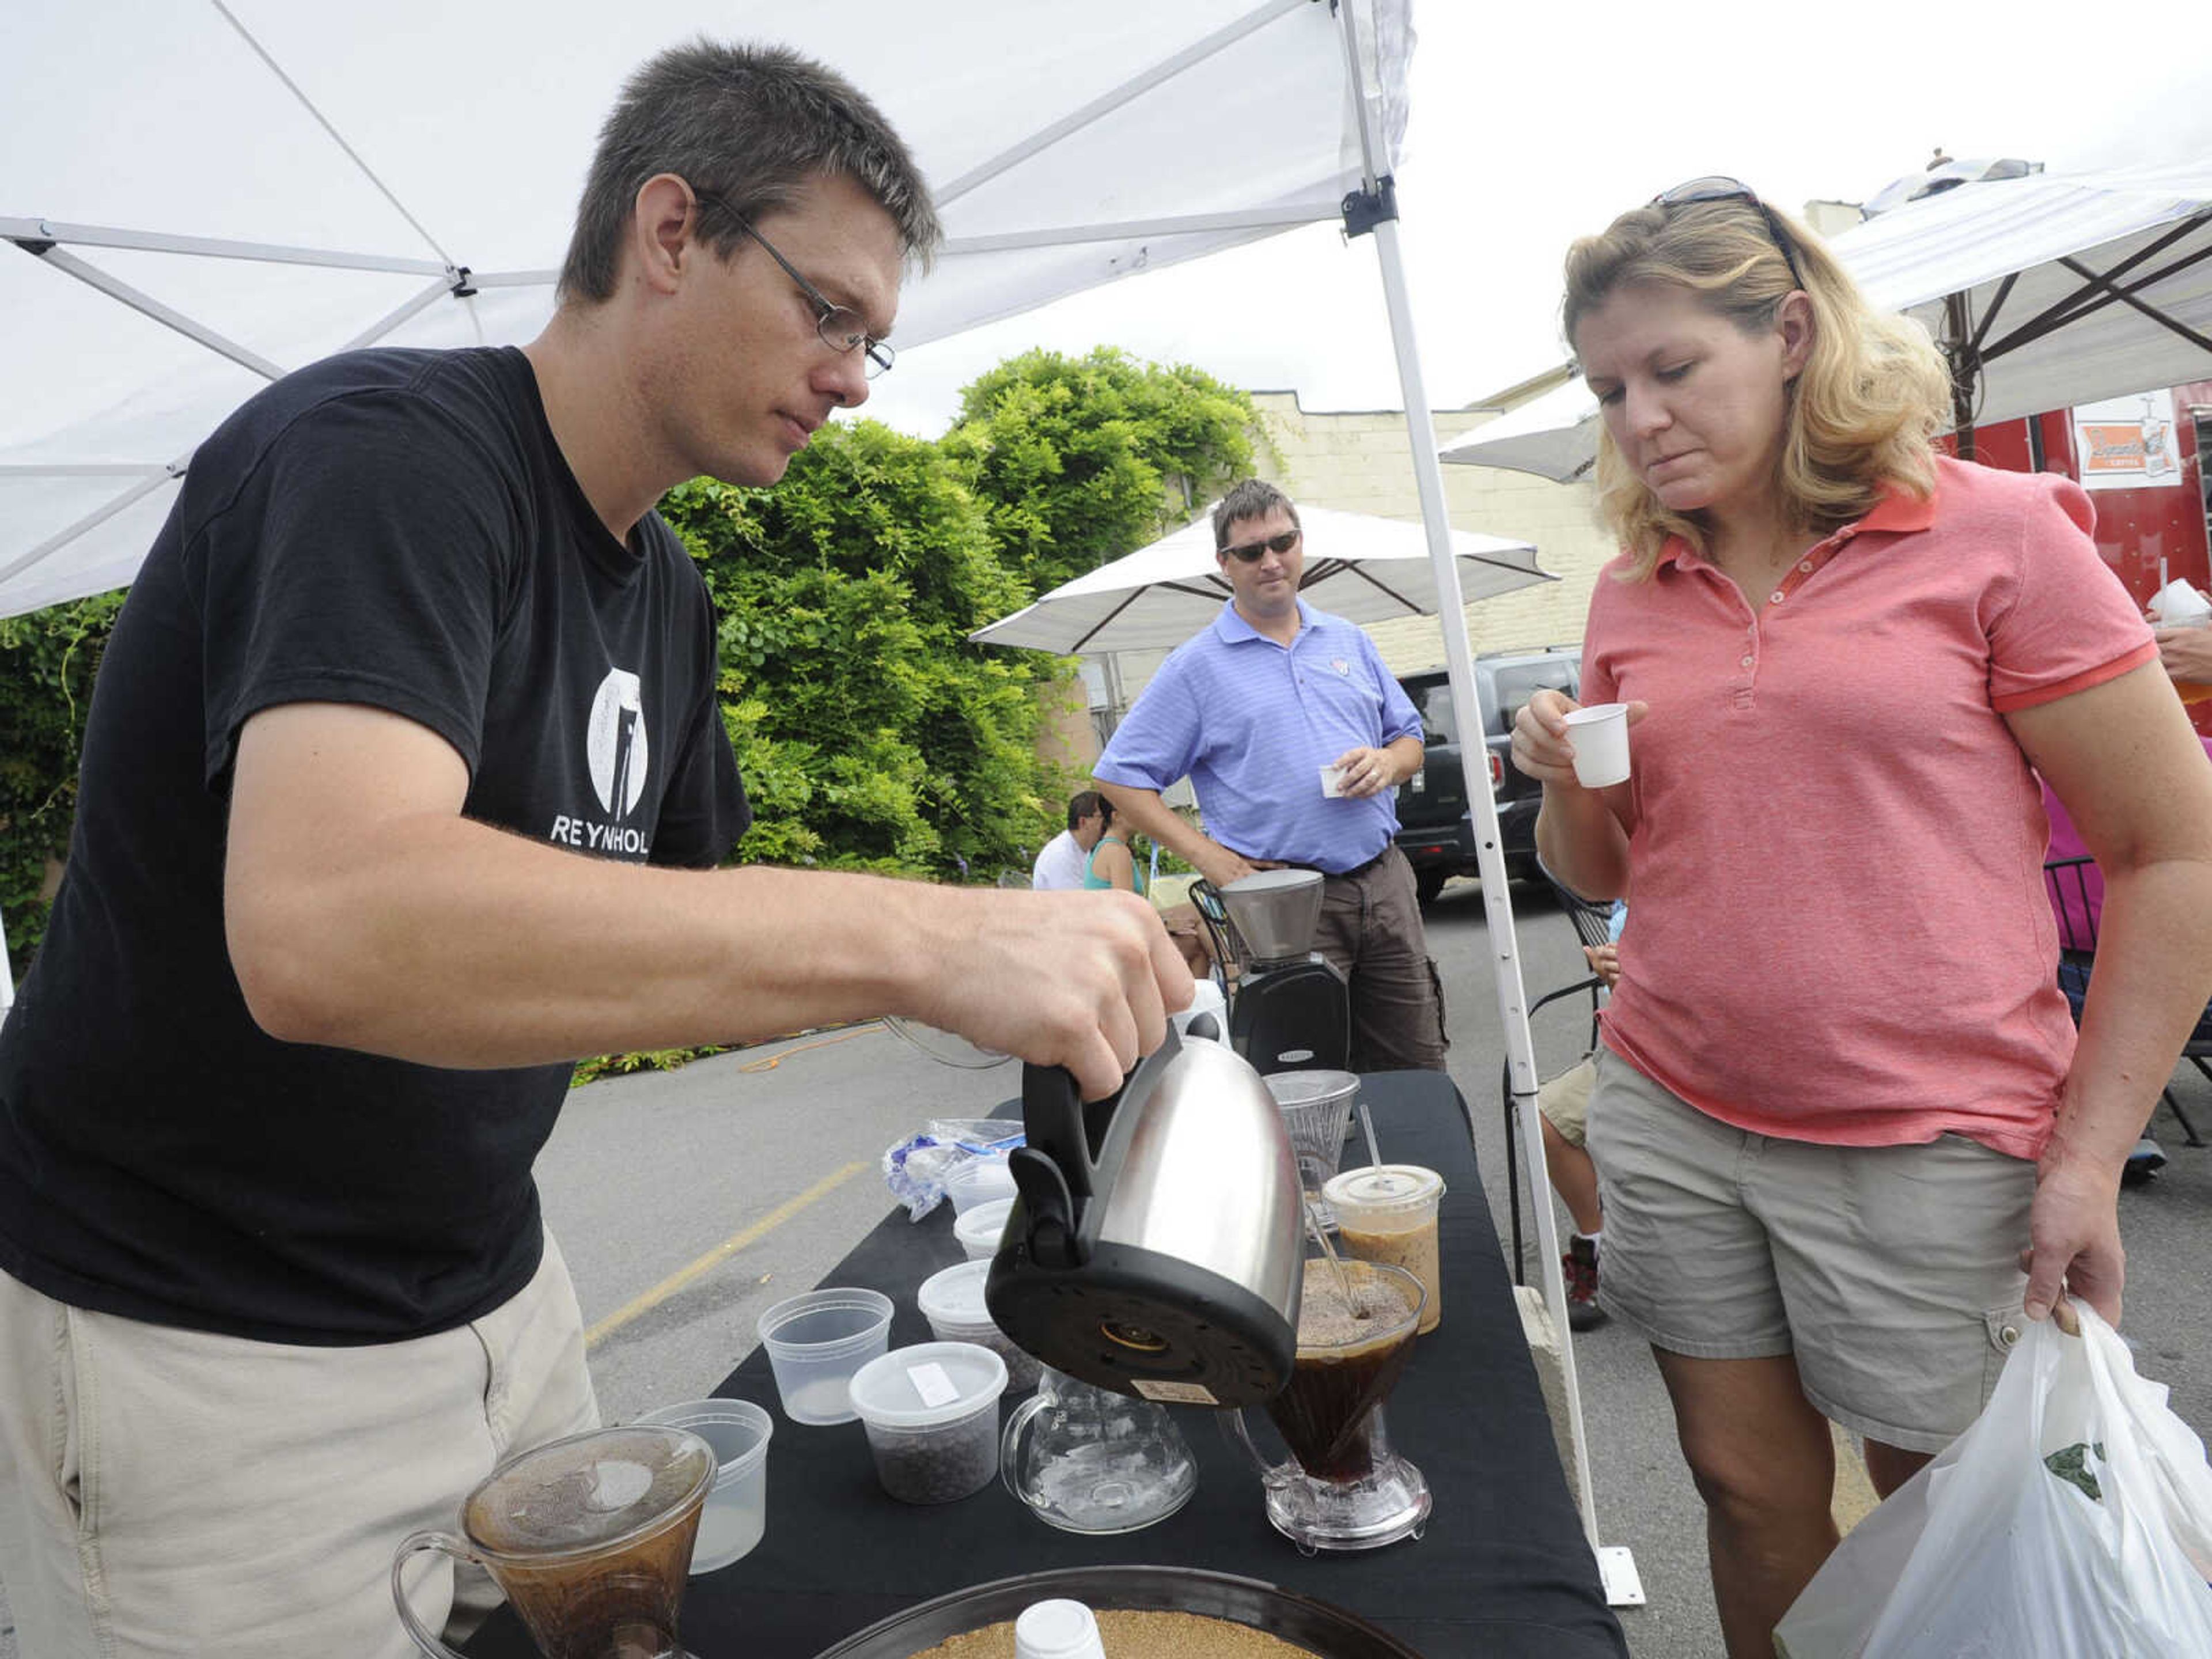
(1108, 102)
(1377, 211)
(1048, 236)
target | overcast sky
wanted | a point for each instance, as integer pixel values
(1533, 123)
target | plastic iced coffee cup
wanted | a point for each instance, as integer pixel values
(1387, 1212)
(2178, 604)
(1599, 735)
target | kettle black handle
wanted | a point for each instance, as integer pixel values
(1056, 1122)
(1052, 1123)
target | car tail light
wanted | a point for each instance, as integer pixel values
(1497, 769)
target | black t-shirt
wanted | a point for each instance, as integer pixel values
(394, 528)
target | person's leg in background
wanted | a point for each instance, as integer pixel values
(1563, 1106)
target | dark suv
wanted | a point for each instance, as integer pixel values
(1435, 828)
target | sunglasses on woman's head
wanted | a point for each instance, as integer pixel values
(1249, 552)
(1718, 187)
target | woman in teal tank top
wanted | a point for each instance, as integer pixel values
(1111, 865)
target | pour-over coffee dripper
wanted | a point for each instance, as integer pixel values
(1344, 1488)
(590, 1537)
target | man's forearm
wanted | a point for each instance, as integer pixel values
(1145, 810)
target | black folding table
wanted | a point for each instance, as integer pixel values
(1502, 1570)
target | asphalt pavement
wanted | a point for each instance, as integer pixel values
(687, 1202)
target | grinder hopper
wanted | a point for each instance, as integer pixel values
(1275, 913)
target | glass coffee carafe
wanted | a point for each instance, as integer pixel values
(1086, 1460)
(590, 1537)
(1344, 1488)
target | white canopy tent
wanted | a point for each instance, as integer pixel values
(2044, 291)
(218, 193)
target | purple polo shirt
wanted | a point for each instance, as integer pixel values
(1252, 723)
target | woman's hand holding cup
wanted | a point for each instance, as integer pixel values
(1543, 745)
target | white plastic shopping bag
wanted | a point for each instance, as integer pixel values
(2073, 1518)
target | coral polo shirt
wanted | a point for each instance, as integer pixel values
(1842, 934)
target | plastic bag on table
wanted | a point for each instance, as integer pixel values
(2073, 1518)
(915, 1169)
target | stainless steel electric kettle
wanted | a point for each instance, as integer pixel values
(1155, 1247)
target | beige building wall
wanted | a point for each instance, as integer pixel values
(1361, 461)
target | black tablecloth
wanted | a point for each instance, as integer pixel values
(1502, 1570)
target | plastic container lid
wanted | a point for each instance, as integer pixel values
(928, 1384)
(1311, 1088)
(590, 1489)
(954, 1298)
(1384, 1188)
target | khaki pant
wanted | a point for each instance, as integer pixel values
(171, 1492)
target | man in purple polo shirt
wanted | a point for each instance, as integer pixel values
(1252, 709)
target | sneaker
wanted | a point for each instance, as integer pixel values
(2146, 1161)
(1581, 1262)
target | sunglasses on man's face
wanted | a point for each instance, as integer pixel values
(1250, 552)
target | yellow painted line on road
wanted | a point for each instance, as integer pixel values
(721, 1252)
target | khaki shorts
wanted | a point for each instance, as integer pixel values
(1892, 1273)
(165, 1491)
(1565, 1101)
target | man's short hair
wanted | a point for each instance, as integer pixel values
(1081, 805)
(750, 125)
(1252, 498)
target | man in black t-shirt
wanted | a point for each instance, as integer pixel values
(404, 783)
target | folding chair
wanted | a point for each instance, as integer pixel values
(2077, 896)
(1592, 924)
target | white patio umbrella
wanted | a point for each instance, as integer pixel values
(1357, 567)
(2044, 291)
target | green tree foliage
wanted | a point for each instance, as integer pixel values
(1082, 459)
(47, 663)
(871, 734)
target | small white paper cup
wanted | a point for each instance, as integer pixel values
(1332, 782)
(1599, 735)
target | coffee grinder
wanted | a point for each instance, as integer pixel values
(1291, 1010)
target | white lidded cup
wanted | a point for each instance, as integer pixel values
(978, 1181)
(1057, 1630)
(952, 1300)
(1599, 735)
(979, 1229)
(931, 1416)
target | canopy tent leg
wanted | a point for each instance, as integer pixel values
(1376, 211)
(1616, 1564)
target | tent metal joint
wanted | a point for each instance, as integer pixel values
(462, 288)
(1363, 210)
